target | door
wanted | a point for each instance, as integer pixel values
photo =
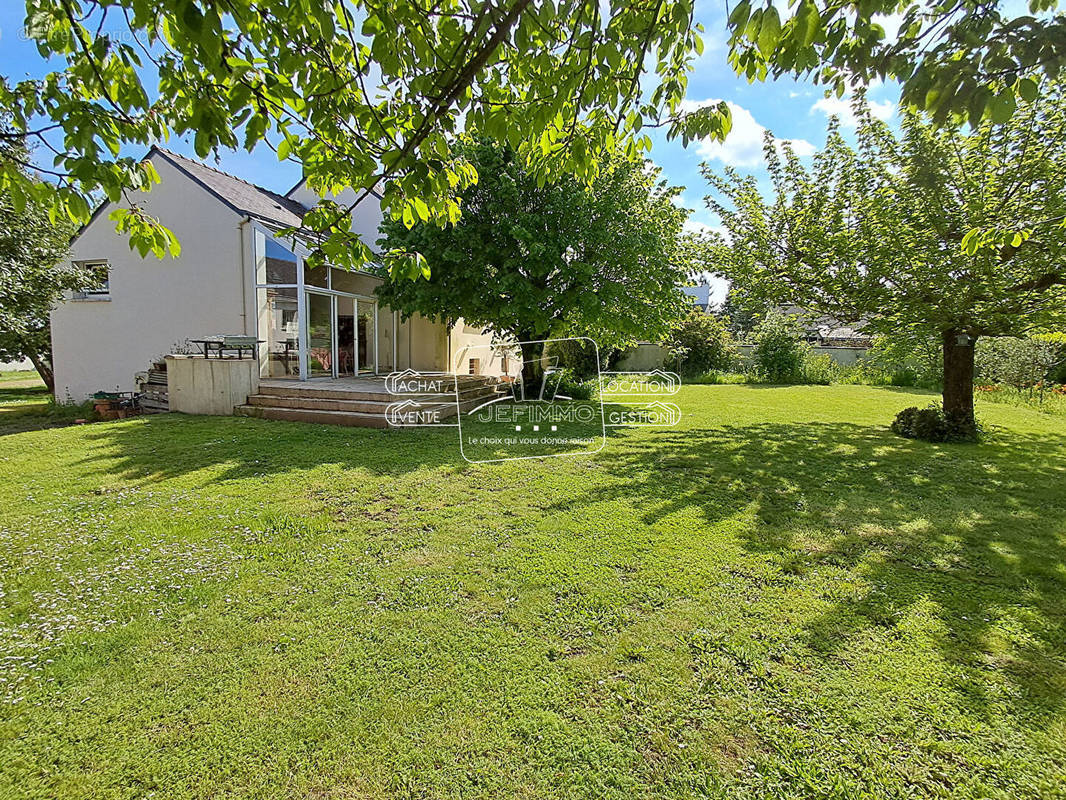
(366, 335)
(347, 342)
(321, 345)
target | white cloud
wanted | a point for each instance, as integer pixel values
(719, 287)
(841, 107)
(743, 145)
(891, 23)
(695, 226)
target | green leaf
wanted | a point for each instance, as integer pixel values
(738, 17)
(769, 31)
(421, 209)
(1028, 89)
(284, 149)
(1002, 106)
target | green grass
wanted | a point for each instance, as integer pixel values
(779, 598)
(21, 387)
(27, 405)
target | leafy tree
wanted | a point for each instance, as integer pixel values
(33, 277)
(531, 260)
(362, 95)
(960, 60)
(702, 343)
(369, 95)
(740, 315)
(904, 358)
(958, 235)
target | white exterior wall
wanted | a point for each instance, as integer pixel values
(468, 343)
(100, 344)
(366, 219)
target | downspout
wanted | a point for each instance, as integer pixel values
(244, 276)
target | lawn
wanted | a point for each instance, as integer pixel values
(20, 388)
(779, 598)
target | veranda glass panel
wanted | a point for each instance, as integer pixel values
(367, 336)
(274, 263)
(317, 277)
(279, 330)
(320, 334)
(346, 336)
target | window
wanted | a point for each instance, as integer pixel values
(99, 280)
(475, 366)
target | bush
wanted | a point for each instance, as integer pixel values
(720, 379)
(778, 355)
(907, 359)
(818, 369)
(565, 382)
(1020, 363)
(578, 356)
(702, 344)
(932, 425)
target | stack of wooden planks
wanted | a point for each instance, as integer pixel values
(154, 398)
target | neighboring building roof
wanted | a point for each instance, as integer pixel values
(827, 330)
(700, 295)
(241, 196)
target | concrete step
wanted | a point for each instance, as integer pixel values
(326, 411)
(318, 417)
(313, 403)
(355, 406)
(466, 391)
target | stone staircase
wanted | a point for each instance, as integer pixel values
(360, 402)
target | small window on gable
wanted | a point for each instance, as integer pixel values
(99, 284)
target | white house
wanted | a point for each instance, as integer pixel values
(235, 276)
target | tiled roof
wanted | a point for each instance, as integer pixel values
(243, 197)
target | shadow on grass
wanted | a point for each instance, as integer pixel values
(975, 532)
(171, 445)
(13, 396)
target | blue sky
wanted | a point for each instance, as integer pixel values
(792, 110)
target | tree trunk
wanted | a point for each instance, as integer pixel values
(532, 373)
(958, 381)
(44, 369)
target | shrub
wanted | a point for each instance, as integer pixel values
(907, 359)
(1020, 363)
(778, 355)
(565, 382)
(576, 355)
(932, 425)
(702, 343)
(720, 379)
(818, 369)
